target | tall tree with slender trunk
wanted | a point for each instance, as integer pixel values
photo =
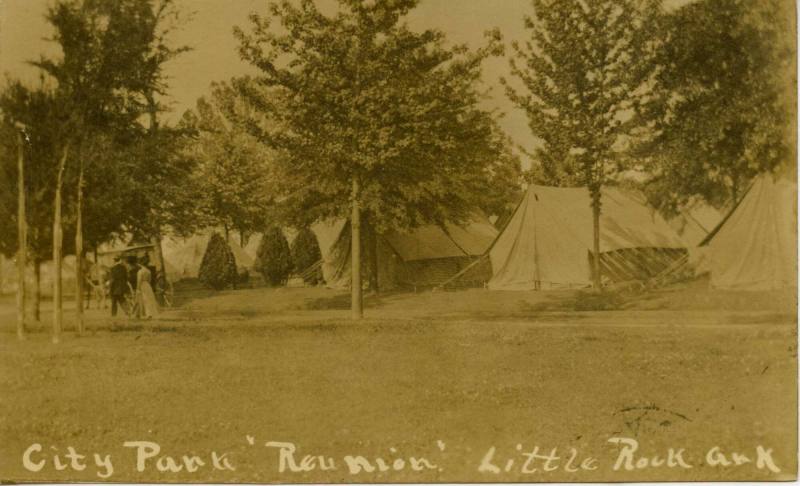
(40, 111)
(58, 236)
(22, 234)
(373, 121)
(580, 79)
(113, 53)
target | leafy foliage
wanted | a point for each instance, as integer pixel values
(305, 253)
(357, 98)
(581, 77)
(273, 257)
(43, 116)
(108, 77)
(726, 97)
(218, 268)
(233, 177)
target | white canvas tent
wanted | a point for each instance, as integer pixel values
(425, 256)
(183, 256)
(9, 280)
(548, 241)
(755, 247)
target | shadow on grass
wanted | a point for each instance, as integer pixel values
(342, 301)
(580, 301)
(158, 328)
(339, 302)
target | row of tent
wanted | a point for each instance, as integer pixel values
(547, 244)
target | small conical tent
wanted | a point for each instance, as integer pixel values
(755, 247)
(424, 256)
(547, 243)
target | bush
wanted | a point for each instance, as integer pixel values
(218, 269)
(273, 259)
(305, 253)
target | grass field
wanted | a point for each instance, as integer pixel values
(442, 376)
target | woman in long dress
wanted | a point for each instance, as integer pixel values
(147, 298)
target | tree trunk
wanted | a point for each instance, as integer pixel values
(596, 281)
(161, 274)
(355, 255)
(372, 241)
(79, 253)
(37, 290)
(57, 242)
(22, 243)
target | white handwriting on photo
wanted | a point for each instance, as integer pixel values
(285, 458)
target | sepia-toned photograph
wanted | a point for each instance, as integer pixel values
(398, 241)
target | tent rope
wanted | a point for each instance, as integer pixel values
(463, 271)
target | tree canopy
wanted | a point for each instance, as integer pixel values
(358, 97)
(726, 97)
(44, 119)
(581, 78)
(234, 182)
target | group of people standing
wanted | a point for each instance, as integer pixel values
(133, 278)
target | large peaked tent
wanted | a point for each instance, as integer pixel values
(425, 256)
(548, 241)
(755, 247)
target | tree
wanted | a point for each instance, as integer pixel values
(273, 257)
(305, 254)
(233, 175)
(584, 73)
(373, 121)
(218, 268)
(725, 100)
(46, 124)
(113, 51)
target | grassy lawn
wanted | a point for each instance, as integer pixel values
(443, 376)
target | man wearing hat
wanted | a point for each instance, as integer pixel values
(118, 285)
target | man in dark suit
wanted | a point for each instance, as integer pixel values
(119, 284)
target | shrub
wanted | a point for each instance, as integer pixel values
(305, 253)
(273, 259)
(218, 269)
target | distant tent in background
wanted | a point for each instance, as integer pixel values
(8, 282)
(754, 248)
(423, 257)
(7, 267)
(548, 241)
(183, 256)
